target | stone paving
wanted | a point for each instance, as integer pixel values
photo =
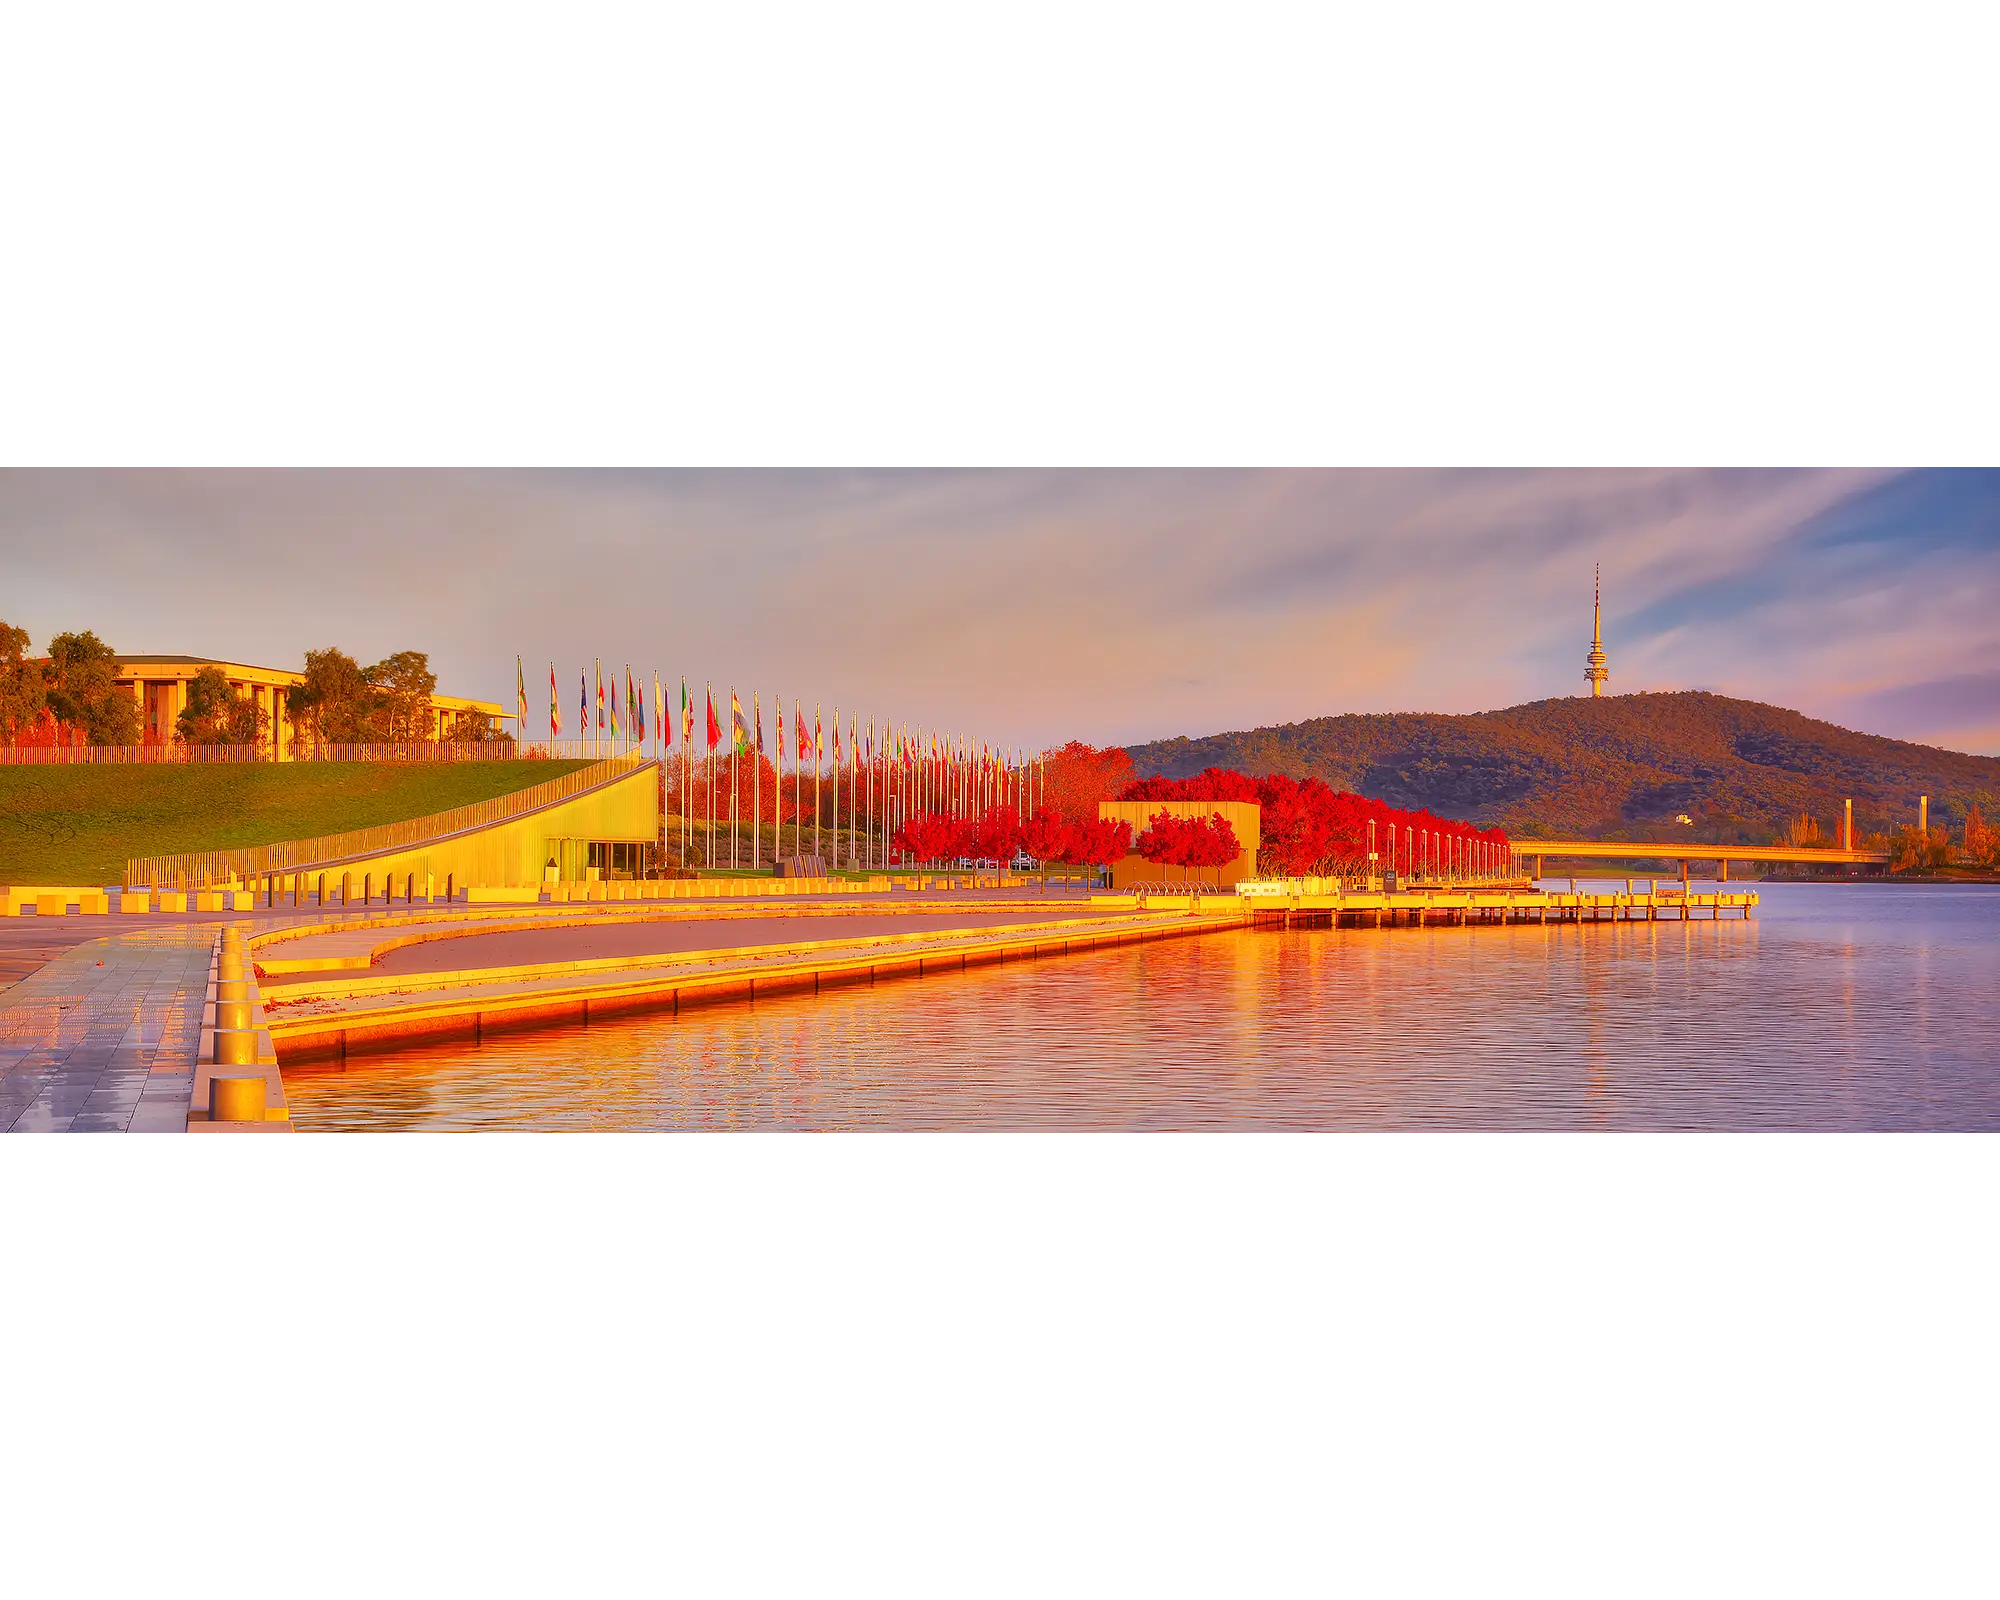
(102, 1039)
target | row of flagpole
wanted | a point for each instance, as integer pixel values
(936, 773)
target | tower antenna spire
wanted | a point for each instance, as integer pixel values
(1596, 673)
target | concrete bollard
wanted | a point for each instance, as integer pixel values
(51, 905)
(231, 989)
(232, 1014)
(235, 1047)
(134, 900)
(236, 1097)
(173, 900)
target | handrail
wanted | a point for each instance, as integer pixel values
(198, 868)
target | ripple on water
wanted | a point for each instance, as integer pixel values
(1839, 1006)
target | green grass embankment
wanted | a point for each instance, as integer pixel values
(79, 825)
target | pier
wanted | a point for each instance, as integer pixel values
(1315, 903)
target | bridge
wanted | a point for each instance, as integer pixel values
(1720, 854)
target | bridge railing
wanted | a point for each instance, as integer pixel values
(199, 868)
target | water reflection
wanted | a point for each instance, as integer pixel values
(1855, 1006)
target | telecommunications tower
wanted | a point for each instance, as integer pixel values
(1597, 674)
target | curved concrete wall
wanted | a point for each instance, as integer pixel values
(626, 810)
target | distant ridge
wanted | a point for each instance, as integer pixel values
(1624, 766)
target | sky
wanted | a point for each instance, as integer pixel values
(1029, 607)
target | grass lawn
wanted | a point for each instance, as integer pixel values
(78, 825)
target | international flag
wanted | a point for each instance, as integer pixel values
(636, 705)
(660, 728)
(520, 699)
(714, 727)
(819, 741)
(600, 697)
(687, 720)
(739, 730)
(778, 746)
(582, 701)
(799, 723)
(555, 705)
(836, 736)
(757, 713)
(614, 705)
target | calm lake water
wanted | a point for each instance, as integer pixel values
(1835, 1006)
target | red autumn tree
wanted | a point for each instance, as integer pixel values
(1211, 842)
(1076, 776)
(1099, 842)
(932, 836)
(997, 834)
(1045, 836)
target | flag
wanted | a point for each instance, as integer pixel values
(583, 702)
(799, 723)
(714, 727)
(687, 719)
(778, 744)
(757, 712)
(614, 705)
(660, 729)
(739, 730)
(555, 705)
(819, 740)
(635, 707)
(836, 736)
(520, 698)
(600, 697)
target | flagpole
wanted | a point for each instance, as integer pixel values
(817, 753)
(757, 782)
(708, 709)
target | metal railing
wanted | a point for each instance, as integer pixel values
(199, 868)
(169, 755)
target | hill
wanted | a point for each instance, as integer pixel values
(81, 824)
(1619, 767)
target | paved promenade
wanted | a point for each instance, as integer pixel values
(102, 1038)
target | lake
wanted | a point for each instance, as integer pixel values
(1836, 1006)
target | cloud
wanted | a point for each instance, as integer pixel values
(1030, 606)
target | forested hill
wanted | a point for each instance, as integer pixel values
(1624, 766)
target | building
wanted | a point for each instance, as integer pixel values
(1245, 817)
(1596, 673)
(160, 685)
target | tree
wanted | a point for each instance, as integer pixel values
(404, 685)
(932, 836)
(1165, 840)
(1077, 776)
(83, 689)
(474, 727)
(997, 834)
(334, 705)
(1211, 842)
(1098, 842)
(1982, 843)
(214, 714)
(23, 692)
(1045, 836)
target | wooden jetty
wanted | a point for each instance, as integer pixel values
(1324, 903)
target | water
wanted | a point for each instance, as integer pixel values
(1837, 1006)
